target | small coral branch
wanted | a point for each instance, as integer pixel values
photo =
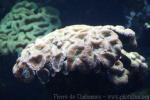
(84, 49)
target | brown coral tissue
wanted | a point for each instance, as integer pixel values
(85, 49)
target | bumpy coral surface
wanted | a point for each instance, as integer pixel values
(82, 48)
(24, 23)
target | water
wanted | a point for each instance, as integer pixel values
(75, 85)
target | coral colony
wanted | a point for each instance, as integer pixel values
(24, 23)
(82, 48)
(139, 16)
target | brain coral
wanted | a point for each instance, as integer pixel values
(25, 22)
(81, 48)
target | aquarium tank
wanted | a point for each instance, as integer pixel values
(74, 50)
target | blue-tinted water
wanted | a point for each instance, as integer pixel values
(90, 12)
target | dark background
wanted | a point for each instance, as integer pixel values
(93, 12)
